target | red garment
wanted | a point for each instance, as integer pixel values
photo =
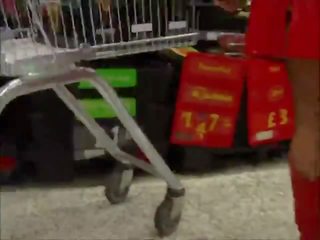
(304, 34)
(269, 33)
(9, 6)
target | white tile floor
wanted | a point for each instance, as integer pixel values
(242, 205)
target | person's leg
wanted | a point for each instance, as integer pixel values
(304, 73)
(307, 205)
(305, 79)
(305, 152)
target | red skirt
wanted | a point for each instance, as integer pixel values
(271, 35)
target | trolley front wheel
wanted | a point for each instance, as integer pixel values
(118, 184)
(168, 214)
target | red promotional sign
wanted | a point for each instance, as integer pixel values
(270, 105)
(208, 100)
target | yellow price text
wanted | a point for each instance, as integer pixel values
(280, 117)
(201, 128)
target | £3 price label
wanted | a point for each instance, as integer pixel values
(278, 118)
(201, 127)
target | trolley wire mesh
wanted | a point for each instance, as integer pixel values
(68, 23)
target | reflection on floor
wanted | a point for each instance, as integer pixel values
(246, 204)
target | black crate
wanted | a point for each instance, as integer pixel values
(157, 85)
(15, 126)
(51, 148)
(155, 120)
(190, 159)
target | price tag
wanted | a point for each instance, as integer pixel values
(203, 129)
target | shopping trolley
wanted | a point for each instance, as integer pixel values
(41, 42)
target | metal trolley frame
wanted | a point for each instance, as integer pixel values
(41, 42)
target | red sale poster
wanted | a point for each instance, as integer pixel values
(208, 100)
(270, 104)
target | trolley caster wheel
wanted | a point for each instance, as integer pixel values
(168, 214)
(118, 184)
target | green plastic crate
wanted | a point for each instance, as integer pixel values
(116, 77)
(99, 109)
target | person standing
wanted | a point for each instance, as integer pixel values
(300, 47)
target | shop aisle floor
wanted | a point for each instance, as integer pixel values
(243, 204)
